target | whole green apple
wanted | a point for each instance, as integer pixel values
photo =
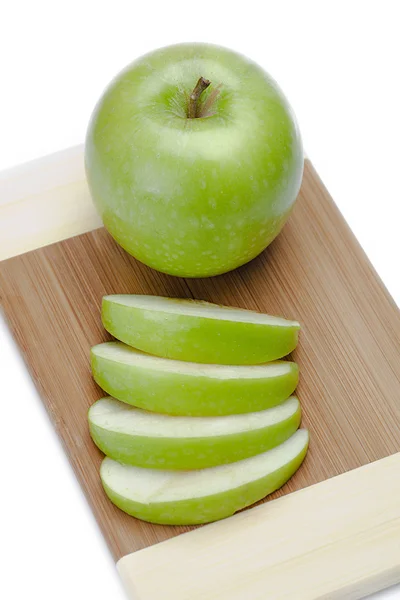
(194, 159)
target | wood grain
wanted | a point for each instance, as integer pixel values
(316, 272)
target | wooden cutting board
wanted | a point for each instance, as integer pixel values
(339, 538)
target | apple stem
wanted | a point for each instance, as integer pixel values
(193, 105)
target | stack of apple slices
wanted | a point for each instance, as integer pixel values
(193, 442)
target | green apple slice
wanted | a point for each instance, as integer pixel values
(181, 388)
(196, 331)
(194, 497)
(133, 436)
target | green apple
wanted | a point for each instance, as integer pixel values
(192, 389)
(196, 331)
(194, 159)
(134, 436)
(194, 497)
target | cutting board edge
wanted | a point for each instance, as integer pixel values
(45, 201)
(237, 551)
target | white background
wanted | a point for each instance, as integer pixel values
(337, 61)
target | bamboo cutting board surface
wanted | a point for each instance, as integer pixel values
(315, 272)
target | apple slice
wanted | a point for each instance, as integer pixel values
(194, 497)
(192, 389)
(196, 331)
(144, 439)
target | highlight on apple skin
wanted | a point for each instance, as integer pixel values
(195, 497)
(133, 436)
(196, 331)
(190, 389)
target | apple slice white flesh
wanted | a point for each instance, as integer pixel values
(133, 436)
(191, 389)
(197, 331)
(193, 497)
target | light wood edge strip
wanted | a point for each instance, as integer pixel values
(45, 201)
(336, 539)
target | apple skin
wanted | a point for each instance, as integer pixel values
(205, 509)
(193, 197)
(194, 395)
(198, 339)
(185, 453)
